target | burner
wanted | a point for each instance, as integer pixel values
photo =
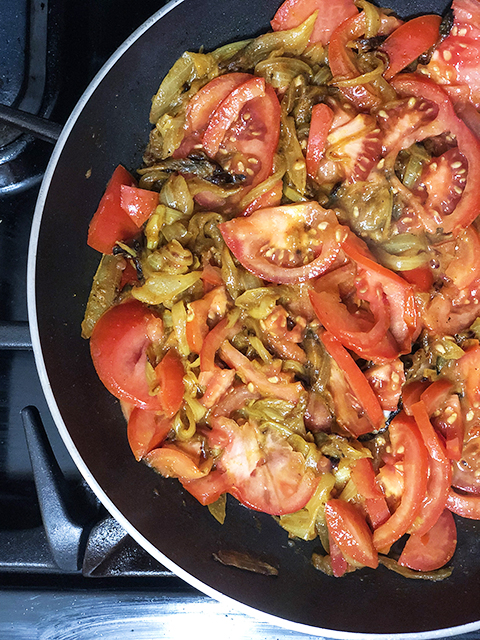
(28, 57)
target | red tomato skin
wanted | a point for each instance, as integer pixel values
(363, 476)
(433, 549)
(170, 372)
(228, 111)
(330, 15)
(320, 124)
(146, 430)
(110, 222)
(357, 381)
(440, 475)
(350, 531)
(404, 433)
(409, 41)
(118, 347)
(209, 488)
(138, 203)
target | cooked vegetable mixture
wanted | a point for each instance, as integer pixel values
(288, 304)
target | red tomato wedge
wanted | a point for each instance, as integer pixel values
(209, 488)
(172, 462)
(468, 207)
(330, 15)
(363, 476)
(138, 203)
(409, 41)
(170, 372)
(440, 475)
(287, 244)
(348, 528)
(433, 549)
(118, 346)
(322, 118)
(358, 383)
(407, 444)
(146, 431)
(235, 118)
(228, 111)
(455, 62)
(266, 473)
(111, 222)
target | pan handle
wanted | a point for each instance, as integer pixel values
(39, 127)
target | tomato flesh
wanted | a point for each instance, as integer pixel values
(351, 533)
(287, 244)
(433, 549)
(111, 222)
(118, 347)
(330, 15)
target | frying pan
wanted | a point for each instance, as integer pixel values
(110, 126)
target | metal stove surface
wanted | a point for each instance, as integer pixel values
(67, 569)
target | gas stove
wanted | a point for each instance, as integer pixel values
(67, 568)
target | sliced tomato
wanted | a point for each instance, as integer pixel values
(172, 462)
(407, 444)
(111, 222)
(339, 564)
(146, 431)
(442, 181)
(348, 528)
(138, 203)
(384, 330)
(287, 244)
(209, 488)
(219, 382)
(320, 124)
(449, 422)
(440, 474)
(464, 268)
(353, 149)
(363, 476)
(119, 345)
(468, 145)
(435, 395)
(266, 473)
(228, 111)
(387, 381)
(404, 325)
(433, 549)
(170, 372)
(212, 306)
(212, 342)
(235, 118)
(421, 277)
(409, 41)
(342, 63)
(330, 15)
(466, 474)
(359, 385)
(455, 62)
(262, 382)
(201, 107)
